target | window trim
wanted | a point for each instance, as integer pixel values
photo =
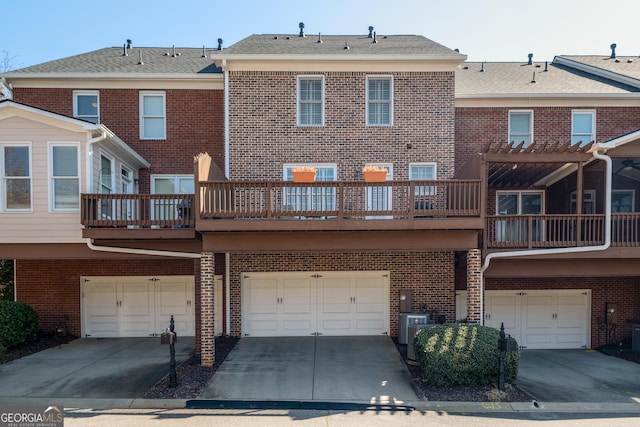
(509, 139)
(519, 193)
(299, 101)
(142, 117)
(424, 190)
(113, 181)
(52, 201)
(593, 125)
(390, 102)
(3, 177)
(77, 93)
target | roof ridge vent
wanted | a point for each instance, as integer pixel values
(220, 41)
(370, 31)
(319, 38)
(301, 25)
(129, 44)
(530, 62)
(613, 50)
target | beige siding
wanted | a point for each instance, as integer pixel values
(40, 225)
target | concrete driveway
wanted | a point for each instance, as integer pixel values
(91, 368)
(329, 369)
(578, 376)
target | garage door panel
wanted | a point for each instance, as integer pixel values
(537, 312)
(263, 297)
(297, 297)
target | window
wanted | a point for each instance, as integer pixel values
(517, 203)
(423, 172)
(171, 208)
(583, 127)
(310, 198)
(521, 127)
(16, 176)
(379, 101)
(310, 101)
(379, 195)
(152, 116)
(65, 176)
(588, 202)
(622, 201)
(106, 175)
(86, 106)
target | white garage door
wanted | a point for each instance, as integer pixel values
(137, 306)
(542, 319)
(315, 303)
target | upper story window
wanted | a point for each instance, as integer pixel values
(379, 101)
(583, 126)
(423, 172)
(106, 175)
(311, 101)
(16, 177)
(86, 106)
(623, 201)
(521, 127)
(152, 115)
(64, 169)
(310, 198)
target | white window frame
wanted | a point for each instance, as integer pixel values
(380, 196)
(588, 202)
(307, 198)
(633, 198)
(111, 183)
(300, 102)
(424, 190)
(76, 113)
(52, 178)
(4, 178)
(514, 229)
(168, 212)
(143, 116)
(390, 101)
(581, 135)
(516, 139)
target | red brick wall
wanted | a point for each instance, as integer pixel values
(430, 276)
(195, 124)
(52, 287)
(476, 127)
(264, 132)
(624, 291)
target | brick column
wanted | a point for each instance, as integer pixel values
(474, 262)
(207, 339)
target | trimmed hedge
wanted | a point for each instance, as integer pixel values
(18, 323)
(463, 354)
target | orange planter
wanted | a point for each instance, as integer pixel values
(303, 176)
(375, 176)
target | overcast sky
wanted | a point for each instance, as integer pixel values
(35, 31)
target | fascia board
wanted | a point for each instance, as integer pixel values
(598, 71)
(621, 140)
(112, 81)
(548, 100)
(120, 145)
(42, 116)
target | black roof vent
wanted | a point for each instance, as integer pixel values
(375, 40)
(346, 46)
(530, 62)
(219, 44)
(140, 60)
(129, 44)
(319, 38)
(546, 66)
(124, 50)
(370, 31)
(613, 50)
(301, 25)
(482, 69)
(533, 79)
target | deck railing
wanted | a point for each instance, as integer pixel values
(340, 199)
(558, 231)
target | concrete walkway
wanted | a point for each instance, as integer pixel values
(578, 376)
(91, 368)
(349, 369)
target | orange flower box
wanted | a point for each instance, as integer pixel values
(375, 176)
(303, 176)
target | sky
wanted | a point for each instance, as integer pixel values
(36, 31)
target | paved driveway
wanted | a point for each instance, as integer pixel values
(91, 368)
(331, 369)
(578, 376)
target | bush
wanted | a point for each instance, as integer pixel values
(462, 354)
(18, 323)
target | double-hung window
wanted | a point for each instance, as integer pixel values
(424, 194)
(306, 198)
(521, 127)
(171, 207)
(310, 101)
(583, 126)
(379, 101)
(86, 105)
(152, 115)
(16, 177)
(65, 176)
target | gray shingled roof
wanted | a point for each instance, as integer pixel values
(511, 78)
(112, 61)
(624, 65)
(277, 44)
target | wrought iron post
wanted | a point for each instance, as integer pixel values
(173, 379)
(502, 346)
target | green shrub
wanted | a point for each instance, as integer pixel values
(18, 323)
(462, 354)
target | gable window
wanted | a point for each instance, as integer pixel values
(379, 101)
(310, 101)
(521, 127)
(310, 198)
(65, 176)
(152, 115)
(583, 126)
(16, 176)
(86, 106)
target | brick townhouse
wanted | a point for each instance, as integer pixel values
(493, 207)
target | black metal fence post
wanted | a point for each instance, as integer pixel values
(502, 346)
(173, 379)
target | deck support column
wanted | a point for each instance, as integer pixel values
(207, 338)
(474, 291)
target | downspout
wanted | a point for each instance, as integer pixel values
(227, 282)
(227, 171)
(604, 246)
(140, 251)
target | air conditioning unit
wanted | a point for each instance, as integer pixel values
(408, 319)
